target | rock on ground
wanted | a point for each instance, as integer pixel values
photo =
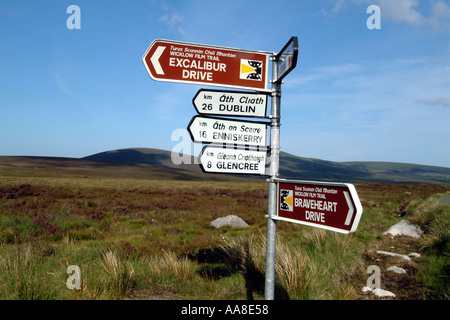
(397, 270)
(382, 293)
(414, 255)
(392, 254)
(366, 289)
(231, 220)
(404, 228)
(379, 292)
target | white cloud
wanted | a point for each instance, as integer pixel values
(440, 15)
(400, 10)
(407, 11)
(62, 85)
(173, 20)
(403, 11)
(440, 9)
(340, 5)
(435, 102)
(394, 10)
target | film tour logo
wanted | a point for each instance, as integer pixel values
(251, 69)
(286, 200)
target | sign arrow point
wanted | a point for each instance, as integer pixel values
(351, 209)
(155, 59)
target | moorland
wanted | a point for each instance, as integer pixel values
(138, 230)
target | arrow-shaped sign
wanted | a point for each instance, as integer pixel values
(218, 130)
(233, 160)
(327, 205)
(230, 103)
(184, 62)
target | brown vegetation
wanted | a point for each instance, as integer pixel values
(152, 238)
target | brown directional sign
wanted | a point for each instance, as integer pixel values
(327, 205)
(203, 64)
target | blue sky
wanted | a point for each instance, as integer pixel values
(356, 95)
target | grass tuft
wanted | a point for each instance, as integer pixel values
(121, 275)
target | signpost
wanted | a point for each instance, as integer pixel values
(203, 64)
(327, 205)
(219, 130)
(230, 103)
(230, 160)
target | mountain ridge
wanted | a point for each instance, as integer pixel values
(149, 163)
(301, 168)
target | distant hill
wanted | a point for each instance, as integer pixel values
(154, 157)
(294, 167)
(28, 166)
(147, 163)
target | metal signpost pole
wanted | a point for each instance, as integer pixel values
(282, 64)
(269, 291)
